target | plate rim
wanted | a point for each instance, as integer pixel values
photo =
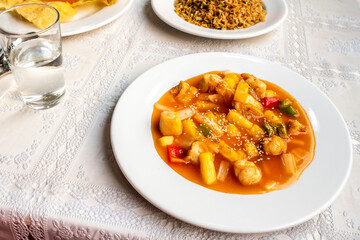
(324, 205)
(215, 34)
(106, 19)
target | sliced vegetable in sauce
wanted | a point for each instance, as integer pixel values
(285, 106)
(270, 102)
(176, 154)
(205, 130)
(233, 133)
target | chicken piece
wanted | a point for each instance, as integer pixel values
(258, 86)
(216, 130)
(209, 82)
(201, 146)
(249, 107)
(170, 123)
(182, 87)
(247, 172)
(226, 91)
(274, 145)
(184, 92)
(195, 151)
(216, 98)
(295, 127)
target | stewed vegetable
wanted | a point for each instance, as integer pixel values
(233, 133)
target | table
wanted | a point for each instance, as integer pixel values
(58, 176)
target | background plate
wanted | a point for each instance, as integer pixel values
(93, 16)
(276, 14)
(135, 153)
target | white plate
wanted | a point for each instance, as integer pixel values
(276, 14)
(316, 189)
(90, 17)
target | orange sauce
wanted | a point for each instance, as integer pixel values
(271, 166)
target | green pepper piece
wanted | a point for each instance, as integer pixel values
(270, 130)
(281, 130)
(285, 103)
(205, 130)
(289, 110)
(285, 107)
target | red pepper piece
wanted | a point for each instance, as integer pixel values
(270, 102)
(176, 154)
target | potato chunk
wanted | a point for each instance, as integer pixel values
(170, 123)
(274, 145)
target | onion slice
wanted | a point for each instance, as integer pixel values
(186, 113)
(223, 170)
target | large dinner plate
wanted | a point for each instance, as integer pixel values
(92, 16)
(135, 153)
(276, 13)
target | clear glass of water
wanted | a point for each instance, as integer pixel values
(31, 40)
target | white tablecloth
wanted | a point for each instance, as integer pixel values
(58, 176)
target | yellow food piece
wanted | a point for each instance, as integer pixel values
(251, 149)
(249, 104)
(241, 92)
(238, 119)
(258, 85)
(256, 132)
(65, 9)
(232, 131)
(207, 168)
(241, 154)
(271, 117)
(205, 106)
(42, 17)
(270, 93)
(166, 140)
(170, 123)
(231, 79)
(190, 129)
(228, 152)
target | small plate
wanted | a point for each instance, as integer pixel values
(136, 155)
(276, 14)
(92, 16)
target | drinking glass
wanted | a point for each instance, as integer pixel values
(31, 41)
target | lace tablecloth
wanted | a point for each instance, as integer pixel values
(58, 176)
